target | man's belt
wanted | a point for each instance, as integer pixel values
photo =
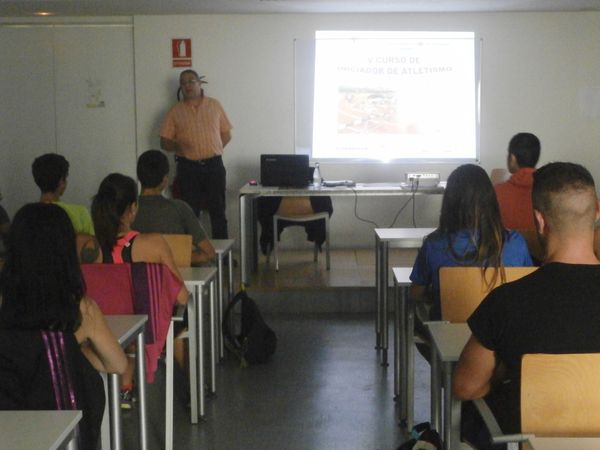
(198, 162)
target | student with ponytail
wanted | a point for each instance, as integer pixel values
(113, 211)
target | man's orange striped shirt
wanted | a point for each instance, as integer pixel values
(196, 127)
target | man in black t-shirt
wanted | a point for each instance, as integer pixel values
(554, 310)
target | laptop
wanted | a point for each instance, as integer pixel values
(284, 170)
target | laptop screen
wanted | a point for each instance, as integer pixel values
(284, 170)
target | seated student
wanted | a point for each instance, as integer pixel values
(46, 318)
(113, 210)
(514, 195)
(556, 309)
(469, 234)
(50, 172)
(157, 214)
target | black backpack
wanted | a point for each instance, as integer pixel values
(256, 341)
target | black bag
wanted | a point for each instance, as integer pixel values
(256, 341)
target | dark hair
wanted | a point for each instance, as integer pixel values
(152, 166)
(470, 204)
(115, 194)
(41, 282)
(48, 170)
(526, 148)
(556, 178)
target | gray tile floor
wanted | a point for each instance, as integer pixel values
(323, 389)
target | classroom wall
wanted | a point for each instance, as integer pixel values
(540, 73)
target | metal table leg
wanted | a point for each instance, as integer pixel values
(192, 307)
(378, 299)
(384, 303)
(141, 377)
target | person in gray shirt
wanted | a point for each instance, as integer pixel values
(158, 214)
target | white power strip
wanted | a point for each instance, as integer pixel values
(423, 178)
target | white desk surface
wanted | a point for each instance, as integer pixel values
(401, 275)
(370, 189)
(411, 235)
(124, 327)
(36, 430)
(222, 246)
(200, 275)
(449, 339)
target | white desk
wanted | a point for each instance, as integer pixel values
(448, 339)
(127, 328)
(386, 238)
(196, 279)
(223, 248)
(248, 217)
(38, 430)
(564, 443)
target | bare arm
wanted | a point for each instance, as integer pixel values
(474, 371)
(203, 252)
(168, 145)
(225, 137)
(97, 342)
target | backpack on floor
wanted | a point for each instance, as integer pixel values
(256, 342)
(423, 438)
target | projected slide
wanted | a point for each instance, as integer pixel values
(394, 95)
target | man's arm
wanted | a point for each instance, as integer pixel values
(474, 371)
(225, 137)
(168, 145)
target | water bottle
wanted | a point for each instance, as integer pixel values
(317, 176)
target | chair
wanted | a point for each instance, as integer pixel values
(559, 398)
(296, 210)
(536, 250)
(463, 288)
(181, 247)
(141, 288)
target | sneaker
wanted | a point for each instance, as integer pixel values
(126, 398)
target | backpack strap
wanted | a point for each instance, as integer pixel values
(228, 333)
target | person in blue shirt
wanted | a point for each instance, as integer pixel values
(470, 233)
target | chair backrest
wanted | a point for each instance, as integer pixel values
(295, 206)
(560, 394)
(181, 247)
(535, 246)
(463, 288)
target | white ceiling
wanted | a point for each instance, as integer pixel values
(24, 8)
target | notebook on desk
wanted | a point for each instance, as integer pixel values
(284, 170)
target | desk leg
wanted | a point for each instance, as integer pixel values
(192, 306)
(219, 333)
(451, 412)
(141, 375)
(248, 239)
(384, 304)
(200, 322)
(403, 357)
(116, 439)
(397, 341)
(378, 299)
(436, 392)
(410, 358)
(213, 338)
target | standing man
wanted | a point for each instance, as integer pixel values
(197, 130)
(514, 195)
